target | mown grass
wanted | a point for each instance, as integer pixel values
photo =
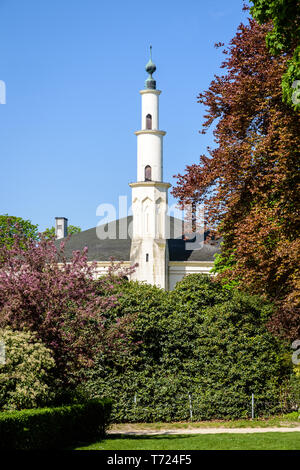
(255, 441)
(290, 420)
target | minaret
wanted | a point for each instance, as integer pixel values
(150, 193)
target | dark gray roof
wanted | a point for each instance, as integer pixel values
(181, 250)
(99, 250)
(119, 248)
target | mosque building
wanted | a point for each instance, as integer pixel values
(150, 237)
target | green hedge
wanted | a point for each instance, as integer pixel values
(200, 343)
(47, 428)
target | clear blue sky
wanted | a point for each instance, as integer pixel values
(73, 70)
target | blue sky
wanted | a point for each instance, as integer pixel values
(73, 70)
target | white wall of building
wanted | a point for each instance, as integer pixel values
(179, 269)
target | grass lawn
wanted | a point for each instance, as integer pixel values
(290, 420)
(255, 441)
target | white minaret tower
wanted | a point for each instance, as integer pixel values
(150, 193)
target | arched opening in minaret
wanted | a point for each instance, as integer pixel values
(148, 173)
(148, 121)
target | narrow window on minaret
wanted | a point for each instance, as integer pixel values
(148, 173)
(147, 257)
(148, 121)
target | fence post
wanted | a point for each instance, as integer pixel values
(191, 409)
(252, 406)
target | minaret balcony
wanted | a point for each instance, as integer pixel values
(150, 131)
(160, 184)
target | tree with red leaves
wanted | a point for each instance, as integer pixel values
(249, 183)
(41, 291)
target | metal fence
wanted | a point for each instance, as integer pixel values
(194, 407)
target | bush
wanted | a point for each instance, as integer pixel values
(196, 292)
(290, 393)
(41, 290)
(49, 428)
(225, 354)
(24, 378)
(201, 349)
(146, 305)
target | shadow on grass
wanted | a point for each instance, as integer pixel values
(134, 437)
(146, 437)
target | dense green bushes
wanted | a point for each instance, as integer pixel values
(48, 428)
(199, 349)
(197, 352)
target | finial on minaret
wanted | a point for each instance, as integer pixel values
(150, 83)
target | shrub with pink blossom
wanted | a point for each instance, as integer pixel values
(42, 291)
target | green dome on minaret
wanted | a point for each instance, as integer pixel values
(150, 83)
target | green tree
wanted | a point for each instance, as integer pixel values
(249, 182)
(73, 229)
(11, 226)
(223, 264)
(284, 37)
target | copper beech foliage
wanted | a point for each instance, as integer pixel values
(59, 299)
(249, 182)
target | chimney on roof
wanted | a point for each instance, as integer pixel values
(61, 227)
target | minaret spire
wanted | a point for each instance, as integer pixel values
(150, 83)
